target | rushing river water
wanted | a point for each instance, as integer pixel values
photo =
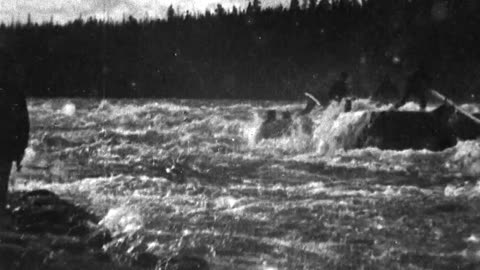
(297, 202)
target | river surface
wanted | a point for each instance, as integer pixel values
(302, 201)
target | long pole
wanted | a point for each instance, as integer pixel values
(450, 102)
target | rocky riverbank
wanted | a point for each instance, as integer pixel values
(50, 233)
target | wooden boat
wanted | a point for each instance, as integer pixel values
(400, 130)
(396, 130)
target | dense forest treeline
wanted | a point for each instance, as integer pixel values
(274, 53)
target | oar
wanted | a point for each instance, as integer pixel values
(313, 98)
(450, 102)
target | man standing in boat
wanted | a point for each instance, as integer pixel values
(14, 127)
(386, 91)
(339, 89)
(417, 86)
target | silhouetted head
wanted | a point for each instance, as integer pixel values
(344, 75)
(271, 115)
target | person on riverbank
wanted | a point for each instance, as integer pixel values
(14, 131)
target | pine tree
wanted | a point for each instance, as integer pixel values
(29, 19)
(220, 11)
(312, 4)
(304, 4)
(256, 5)
(294, 5)
(249, 8)
(170, 13)
(324, 5)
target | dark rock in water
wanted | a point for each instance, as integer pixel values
(14, 238)
(79, 230)
(145, 260)
(399, 130)
(15, 257)
(184, 263)
(11, 256)
(102, 256)
(465, 128)
(52, 233)
(99, 238)
(70, 244)
(39, 193)
(42, 211)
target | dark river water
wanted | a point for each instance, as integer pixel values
(302, 201)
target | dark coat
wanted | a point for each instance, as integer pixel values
(338, 91)
(386, 91)
(417, 87)
(14, 125)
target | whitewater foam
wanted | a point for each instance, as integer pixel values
(69, 109)
(123, 220)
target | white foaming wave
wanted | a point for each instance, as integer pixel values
(245, 106)
(172, 107)
(40, 106)
(466, 158)
(128, 132)
(340, 132)
(333, 129)
(315, 188)
(366, 104)
(465, 190)
(459, 161)
(307, 189)
(106, 105)
(250, 130)
(124, 114)
(123, 220)
(413, 106)
(285, 145)
(98, 187)
(68, 109)
(29, 156)
(378, 160)
(471, 108)
(226, 202)
(296, 140)
(292, 107)
(212, 123)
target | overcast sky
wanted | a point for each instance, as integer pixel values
(64, 10)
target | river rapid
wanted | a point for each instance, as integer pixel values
(301, 201)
